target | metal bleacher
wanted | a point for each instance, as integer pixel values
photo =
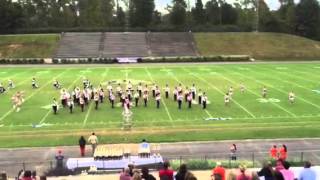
(125, 45)
(131, 44)
(79, 45)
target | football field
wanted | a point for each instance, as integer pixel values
(248, 116)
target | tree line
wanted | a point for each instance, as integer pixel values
(301, 18)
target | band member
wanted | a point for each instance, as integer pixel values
(63, 97)
(78, 94)
(179, 98)
(101, 95)
(140, 90)
(85, 83)
(158, 98)
(86, 96)
(179, 88)
(193, 91)
(136, 97)
(112, 98)
(10, 84)
(96, 100)
(56, 84)
(153, 88)
(2, 89)
(145, 99)
(200, 97)
(54, 106)
(242, 88)
(17, 101)
(109, 87)
(175, 94)
(129, 95)
(34, 83)
(264, 92)
(230, 92)
(71, 105)
(82, 102)
(122, 99)
(129, 86)
(127, 103)
(189, 98)
(204, 100)
(186, 94)
(291, 97)
(226, 99)
(146, 90)
(119, 90)
(167, 90)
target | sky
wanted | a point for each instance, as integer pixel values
(161, 4)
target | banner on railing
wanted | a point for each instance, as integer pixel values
(127, 59)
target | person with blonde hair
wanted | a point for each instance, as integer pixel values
(136, 175)
(243, 175)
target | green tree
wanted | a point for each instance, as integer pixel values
(11, 15)
(212, 12)
(141, 12)
(308, 18)
(178, 12)
(198, 13)
(229, 15)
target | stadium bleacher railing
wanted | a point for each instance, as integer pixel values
(251, 159)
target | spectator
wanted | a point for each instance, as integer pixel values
(231, 176)
(182, 172)
(131, 167)
(146, 175)
(255, 176)
(287, 174)
(283, 152)
(279, 165)
(274, 152)
(136, 175)
(93, 140)
(233, 150)
(307, 173)
(59, 158)
(266, 171)
(242, 175)
(219, 170)
(166, 173)
(27, 175)
(278, 176)
(125, 174)
(82, 144)
(189, 176)
(34, 175)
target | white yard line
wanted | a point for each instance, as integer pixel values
(175, 77)
(214, 87)
(164, 103)
(91, 103)
(47, 114)
(33, 94)
(277, 105)
(298, 97)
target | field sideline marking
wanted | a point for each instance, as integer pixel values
(306, 101)
(165, 106)
(34, 92)
(47, 114)
(243, 108)
(91, 103)
(175, 77)
(277, 105)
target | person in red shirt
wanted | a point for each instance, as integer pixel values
(274, 152)
(219, 170)
(283, 152)
(166, 173)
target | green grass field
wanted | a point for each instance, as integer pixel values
(249, 117)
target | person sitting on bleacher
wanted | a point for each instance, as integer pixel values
(144, 149)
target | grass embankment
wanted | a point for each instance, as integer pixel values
(264, 46)
(28, 46)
